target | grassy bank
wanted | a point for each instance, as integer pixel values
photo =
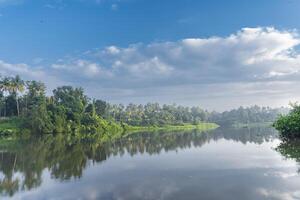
(9, 126)
(252, 125)
(201, 126)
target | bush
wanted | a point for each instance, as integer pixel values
(289, 125)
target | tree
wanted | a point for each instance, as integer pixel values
(73, 100)
(2, 104)
(39, 119)
(13, 86)
(19, 86)
(5, 86)
(38, 115)
(101, 108)
(35, 93)
(289, 125)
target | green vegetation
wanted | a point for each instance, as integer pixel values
(251, 125)
(9, 126)
(289, 125)
(25, 106)
(153, 114)
(246, 117)
(290, 149)
(67, 111)
(200, 127)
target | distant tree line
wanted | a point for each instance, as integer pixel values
(151, 114)
(247, 115)
(156, 114)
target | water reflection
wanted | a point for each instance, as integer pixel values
(22, 162)
(290, 150)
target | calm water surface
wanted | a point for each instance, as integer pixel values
(222, 164)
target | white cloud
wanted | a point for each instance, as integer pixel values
(279, 195)
(8, 69)
(82, 69)
(30, 73)
(248, 67)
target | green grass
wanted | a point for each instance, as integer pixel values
(252, 125)
(9, 126)
(201, 126)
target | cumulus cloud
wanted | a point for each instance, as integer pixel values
(279, 195)
(252, 54)
(31, 73)
(247, 67)
(8, 69)
(82, 69)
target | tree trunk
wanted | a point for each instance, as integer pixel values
(15, 161)
(5, 109)
(18, 111)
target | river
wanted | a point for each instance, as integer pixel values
(220, 164)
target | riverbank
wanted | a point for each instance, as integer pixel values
(13, 126)
(9, 126)
(252, 125)
(203, 126)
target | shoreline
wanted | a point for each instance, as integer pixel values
(11, 128)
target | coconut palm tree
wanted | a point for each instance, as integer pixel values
(17, 85)
(5, 86)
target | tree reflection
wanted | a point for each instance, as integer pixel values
(22, 162)
(290, 149)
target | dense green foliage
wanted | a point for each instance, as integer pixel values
(69, 110)
(153, 114)
(289, 125)
(9, 126)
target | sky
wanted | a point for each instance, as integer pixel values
(210, 53)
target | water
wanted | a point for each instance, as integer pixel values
(222, 164)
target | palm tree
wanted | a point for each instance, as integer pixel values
(5, 86)
(17, 85)
(13, 86)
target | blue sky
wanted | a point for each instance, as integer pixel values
(51, 29)
(109, 40)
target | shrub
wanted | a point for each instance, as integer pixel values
(289, 125)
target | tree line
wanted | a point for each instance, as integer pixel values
(154, 114)
(68, 109)
(247, 115)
